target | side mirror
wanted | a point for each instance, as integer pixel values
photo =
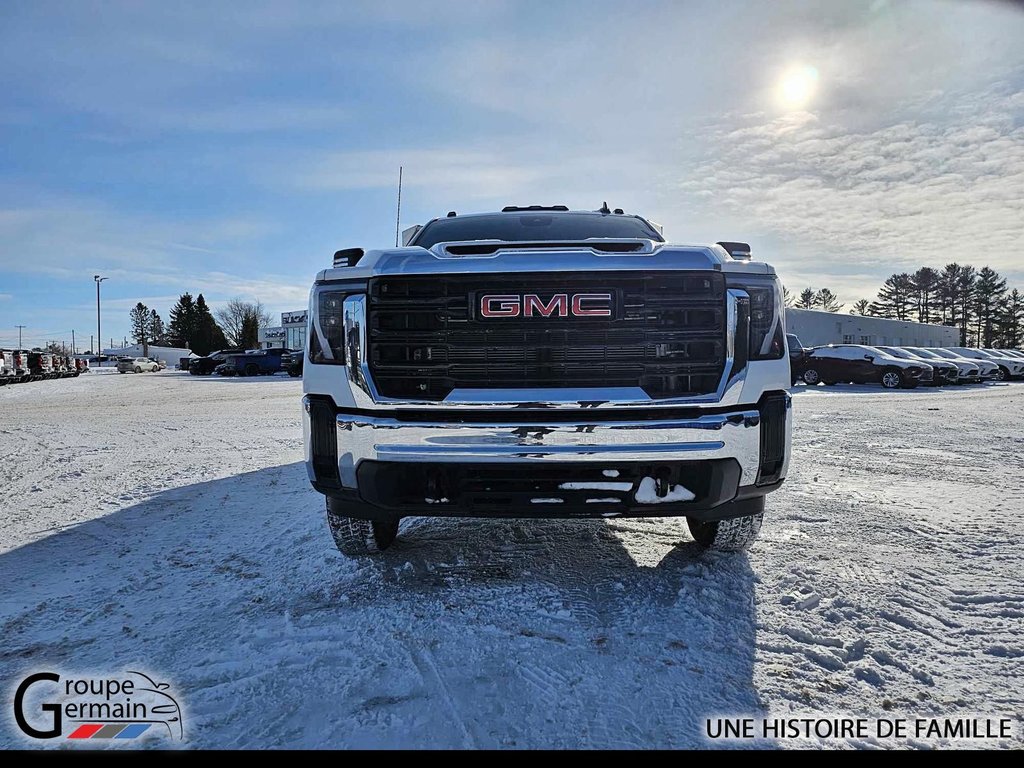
(869, 357)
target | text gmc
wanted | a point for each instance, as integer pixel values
(541, 362)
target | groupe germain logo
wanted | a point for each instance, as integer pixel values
(557, 305)
(118, 707)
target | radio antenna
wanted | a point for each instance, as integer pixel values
(398, 213)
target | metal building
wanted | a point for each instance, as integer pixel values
(815, 327)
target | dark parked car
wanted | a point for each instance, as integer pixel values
(292, 362)
(863, 365)
(946, 371)
(797, 356)
(256, 362)
(203, 366)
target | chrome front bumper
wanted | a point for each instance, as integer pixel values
(735, 434)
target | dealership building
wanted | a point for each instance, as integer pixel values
(290, 334)
(814, 328)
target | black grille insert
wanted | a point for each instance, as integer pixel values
(324, 442)
(667, 335)
(774, 412)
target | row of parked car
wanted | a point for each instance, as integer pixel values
(901, 367)
(242, 362)
(18, 366)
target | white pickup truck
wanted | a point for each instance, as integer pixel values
(541, 362)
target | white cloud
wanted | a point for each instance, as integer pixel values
(906, 194)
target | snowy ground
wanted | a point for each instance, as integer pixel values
(164, 520)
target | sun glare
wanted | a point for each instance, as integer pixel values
(797, 86)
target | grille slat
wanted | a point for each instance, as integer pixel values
(668, 335)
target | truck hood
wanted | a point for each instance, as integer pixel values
(592, 255)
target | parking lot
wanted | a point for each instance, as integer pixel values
(166, 521)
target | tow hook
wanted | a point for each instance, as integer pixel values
(661, 482)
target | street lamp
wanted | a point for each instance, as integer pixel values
(99, 334)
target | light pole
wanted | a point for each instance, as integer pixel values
(99, 335)
(20, 328)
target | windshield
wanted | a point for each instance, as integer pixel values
(866, 349)
(892, 351)
(530, 227)
(946, 354)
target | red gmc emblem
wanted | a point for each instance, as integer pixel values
(558, 305)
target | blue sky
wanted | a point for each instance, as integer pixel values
(231, 148)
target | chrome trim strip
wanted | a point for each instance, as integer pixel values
(444, 453)
(730, 435)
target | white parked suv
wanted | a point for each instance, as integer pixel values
(987, 370)
(541, 362)
(136, 365)
(967, 371)
(1009, 367)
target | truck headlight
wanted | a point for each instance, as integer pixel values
(767, 324)
(327, 328)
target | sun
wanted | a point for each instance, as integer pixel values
(796, 87)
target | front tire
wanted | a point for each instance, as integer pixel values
(733, 534)
(811, 376)
(892, 378)
(356, 537)
(137, 369)
(1002, 374)
(252, 370)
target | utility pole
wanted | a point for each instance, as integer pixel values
(19, 327)
(99, 333)
(92, 349)
(73, 350)
(398, 214)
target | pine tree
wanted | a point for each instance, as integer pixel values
(947, 293)
(963, 295)
(787, 297)
(895, 299)
(182, 328)
(860, 307)
(827, 301)
(806, 300)
(208, 336)
(1011, 320)
(141, 326)
(156, 328)
(989, 291)
(925, 282)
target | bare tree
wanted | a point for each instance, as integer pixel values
(241, 322)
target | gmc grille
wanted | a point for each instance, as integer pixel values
(667, 335)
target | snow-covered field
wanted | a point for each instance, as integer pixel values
(165, 521)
